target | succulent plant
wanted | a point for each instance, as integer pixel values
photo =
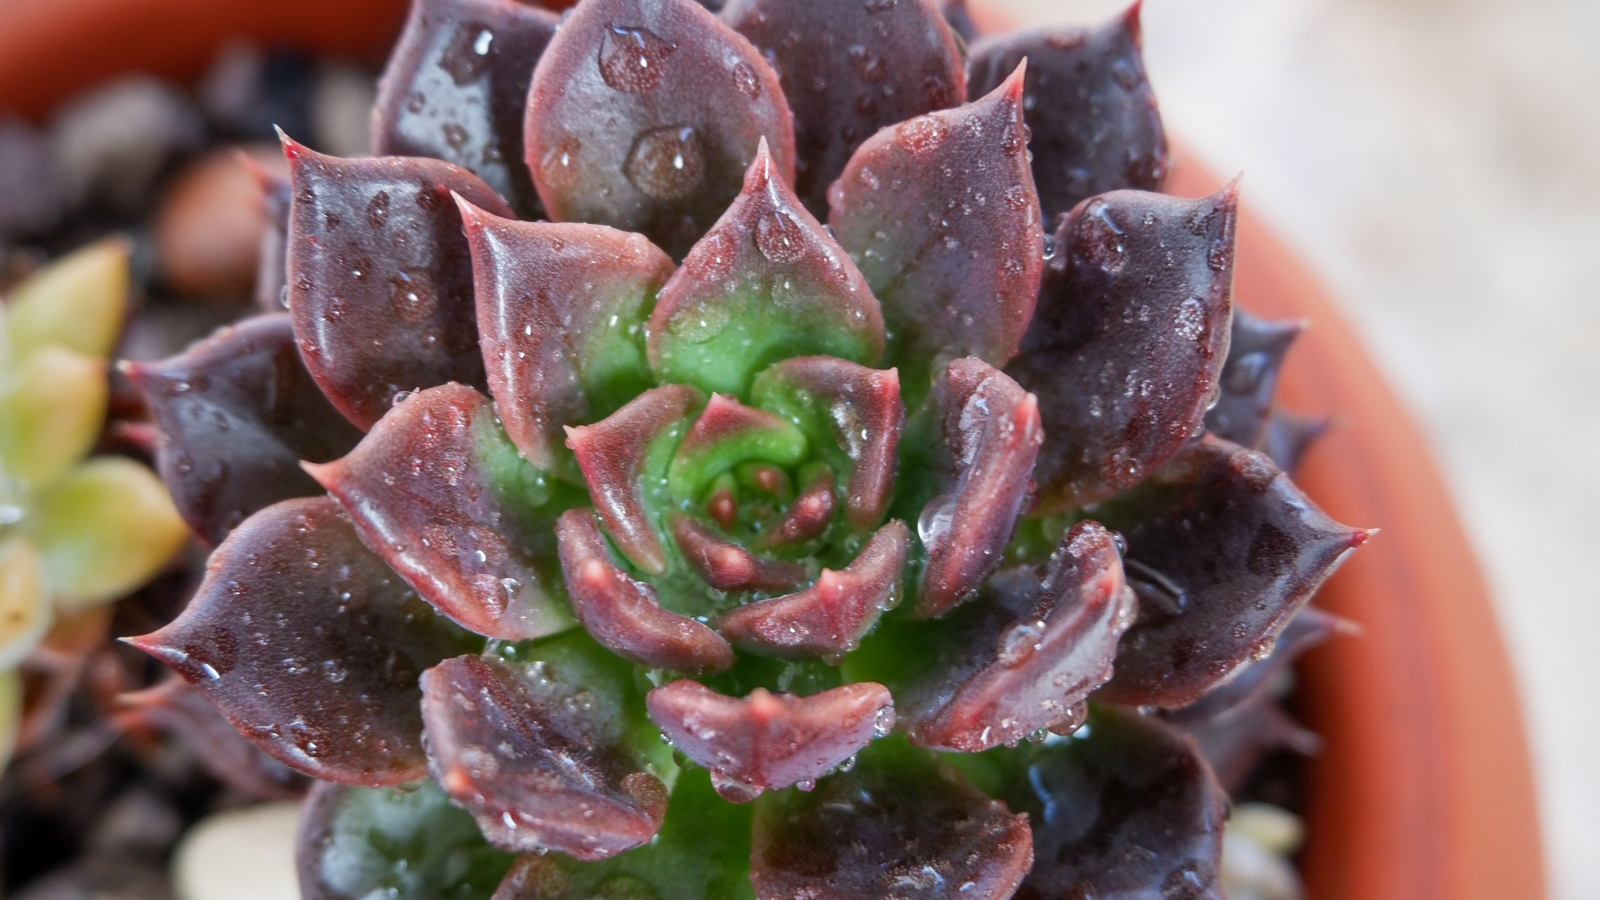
(685, 546)
(74, 533)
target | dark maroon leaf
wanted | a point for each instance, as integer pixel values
(829, 618)
(858, 408)
(1307, 629)
(1128, 339)
(959, 19)
(1234, 743)
(900, 824)
(991, 438)
(177, 707)
(1223, 551)
(293, 600)
(1288, 436)
(438, 490)
(238, 412)
(456, 87)
(1026, 656)
(941, 215)
(271, 280)
(849, 68)
(725, 565)
(1249, 377)
(625, 615)
(1127, 809)
(1090, 107)
(766, 283)
(380, 277)
(539, 757)
(766, 741)
(644, 115)
(613, 453)
(561, 310)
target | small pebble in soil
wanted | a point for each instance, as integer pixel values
(243, 854)
(112, 142)
(209, 221)
(33, 190)
(341, 110)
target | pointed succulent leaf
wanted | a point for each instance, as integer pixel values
(726, 433)
(561, 312)
(619, 456)
(848, 69)
(1223, 551)
(1024, 658)
(765, 283)
(1249, 377)
(294, 600)
(853, 416)
(727, 566)
(25, 611)
(1129, 338)
(277, 196)
(456, 87)
(1233, 744)
(103, 531)
(177, 707)
(701, 853)
(766, 741)
(380, 277)
(357, 843)
(51, 415)
(992, 437)
(546, 753)
(238, 412)
(1309, 628)
(960, 20)
(1127, 809)
(76, 303)
(829, 618)
(1090, 108)
(644, 114)
(1288, 436)
(625, 615)
(808, 516)
(941, 215)
(439, 491)
(902, 823)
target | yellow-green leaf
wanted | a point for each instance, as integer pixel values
(51, 415)
(10, 714)
(104, 531)
(24, 609)
(77, 302)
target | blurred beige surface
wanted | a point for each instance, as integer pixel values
(1438, 163)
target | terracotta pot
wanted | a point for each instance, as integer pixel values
(1424, 789)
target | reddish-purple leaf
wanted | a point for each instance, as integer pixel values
(766, 741)
(1026, 657)
(1288, 436)
(625, 615)
(808, 516)
(177, 707)
(1223, 551)
(1128, 339)
(536, 759)
(456, 87)
(829, 618)
(726, 433)
(1249, 378)
(901, 824)
(560, 314)
(991, 438)
(941, 215)
(293, 600)
(858, 408)
(1129, 809)
(1233, 744)
(766, 283)
(959, 19)
(437, 490)
(848, 69)
(644, 115)
(271, 280)
(1090, 107)
(725, 565)
(612, 454)
(380, 277)
(238, 412)
(1310, 628)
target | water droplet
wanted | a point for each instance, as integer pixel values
(746, 80)
(468, 56)
(633, 60)
(1191, 320)
(378, 210)
(883, 722)
(454, 135)
(666, 163)
(779, 237)
(1019, 643)
(923, 134)
(868, 66)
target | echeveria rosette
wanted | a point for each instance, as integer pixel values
(830, 509)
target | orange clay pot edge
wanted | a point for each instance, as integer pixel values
(1424, 788)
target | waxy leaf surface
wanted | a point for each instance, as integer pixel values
(238, 412)
(1288, 436)
(941, 215)
(765, 741)
(1128, 340)
(849, 68)
(177, 707)
(438, 490)
(456, 86)
(727, 566)
(1223, 551)
(1089, 105)
(292, 600)
(644, 115)
(1233, 744)
(561, 310)
(1309, 628)
(380, 277)
(900, 824)
(1249, 377)
(766, 283)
